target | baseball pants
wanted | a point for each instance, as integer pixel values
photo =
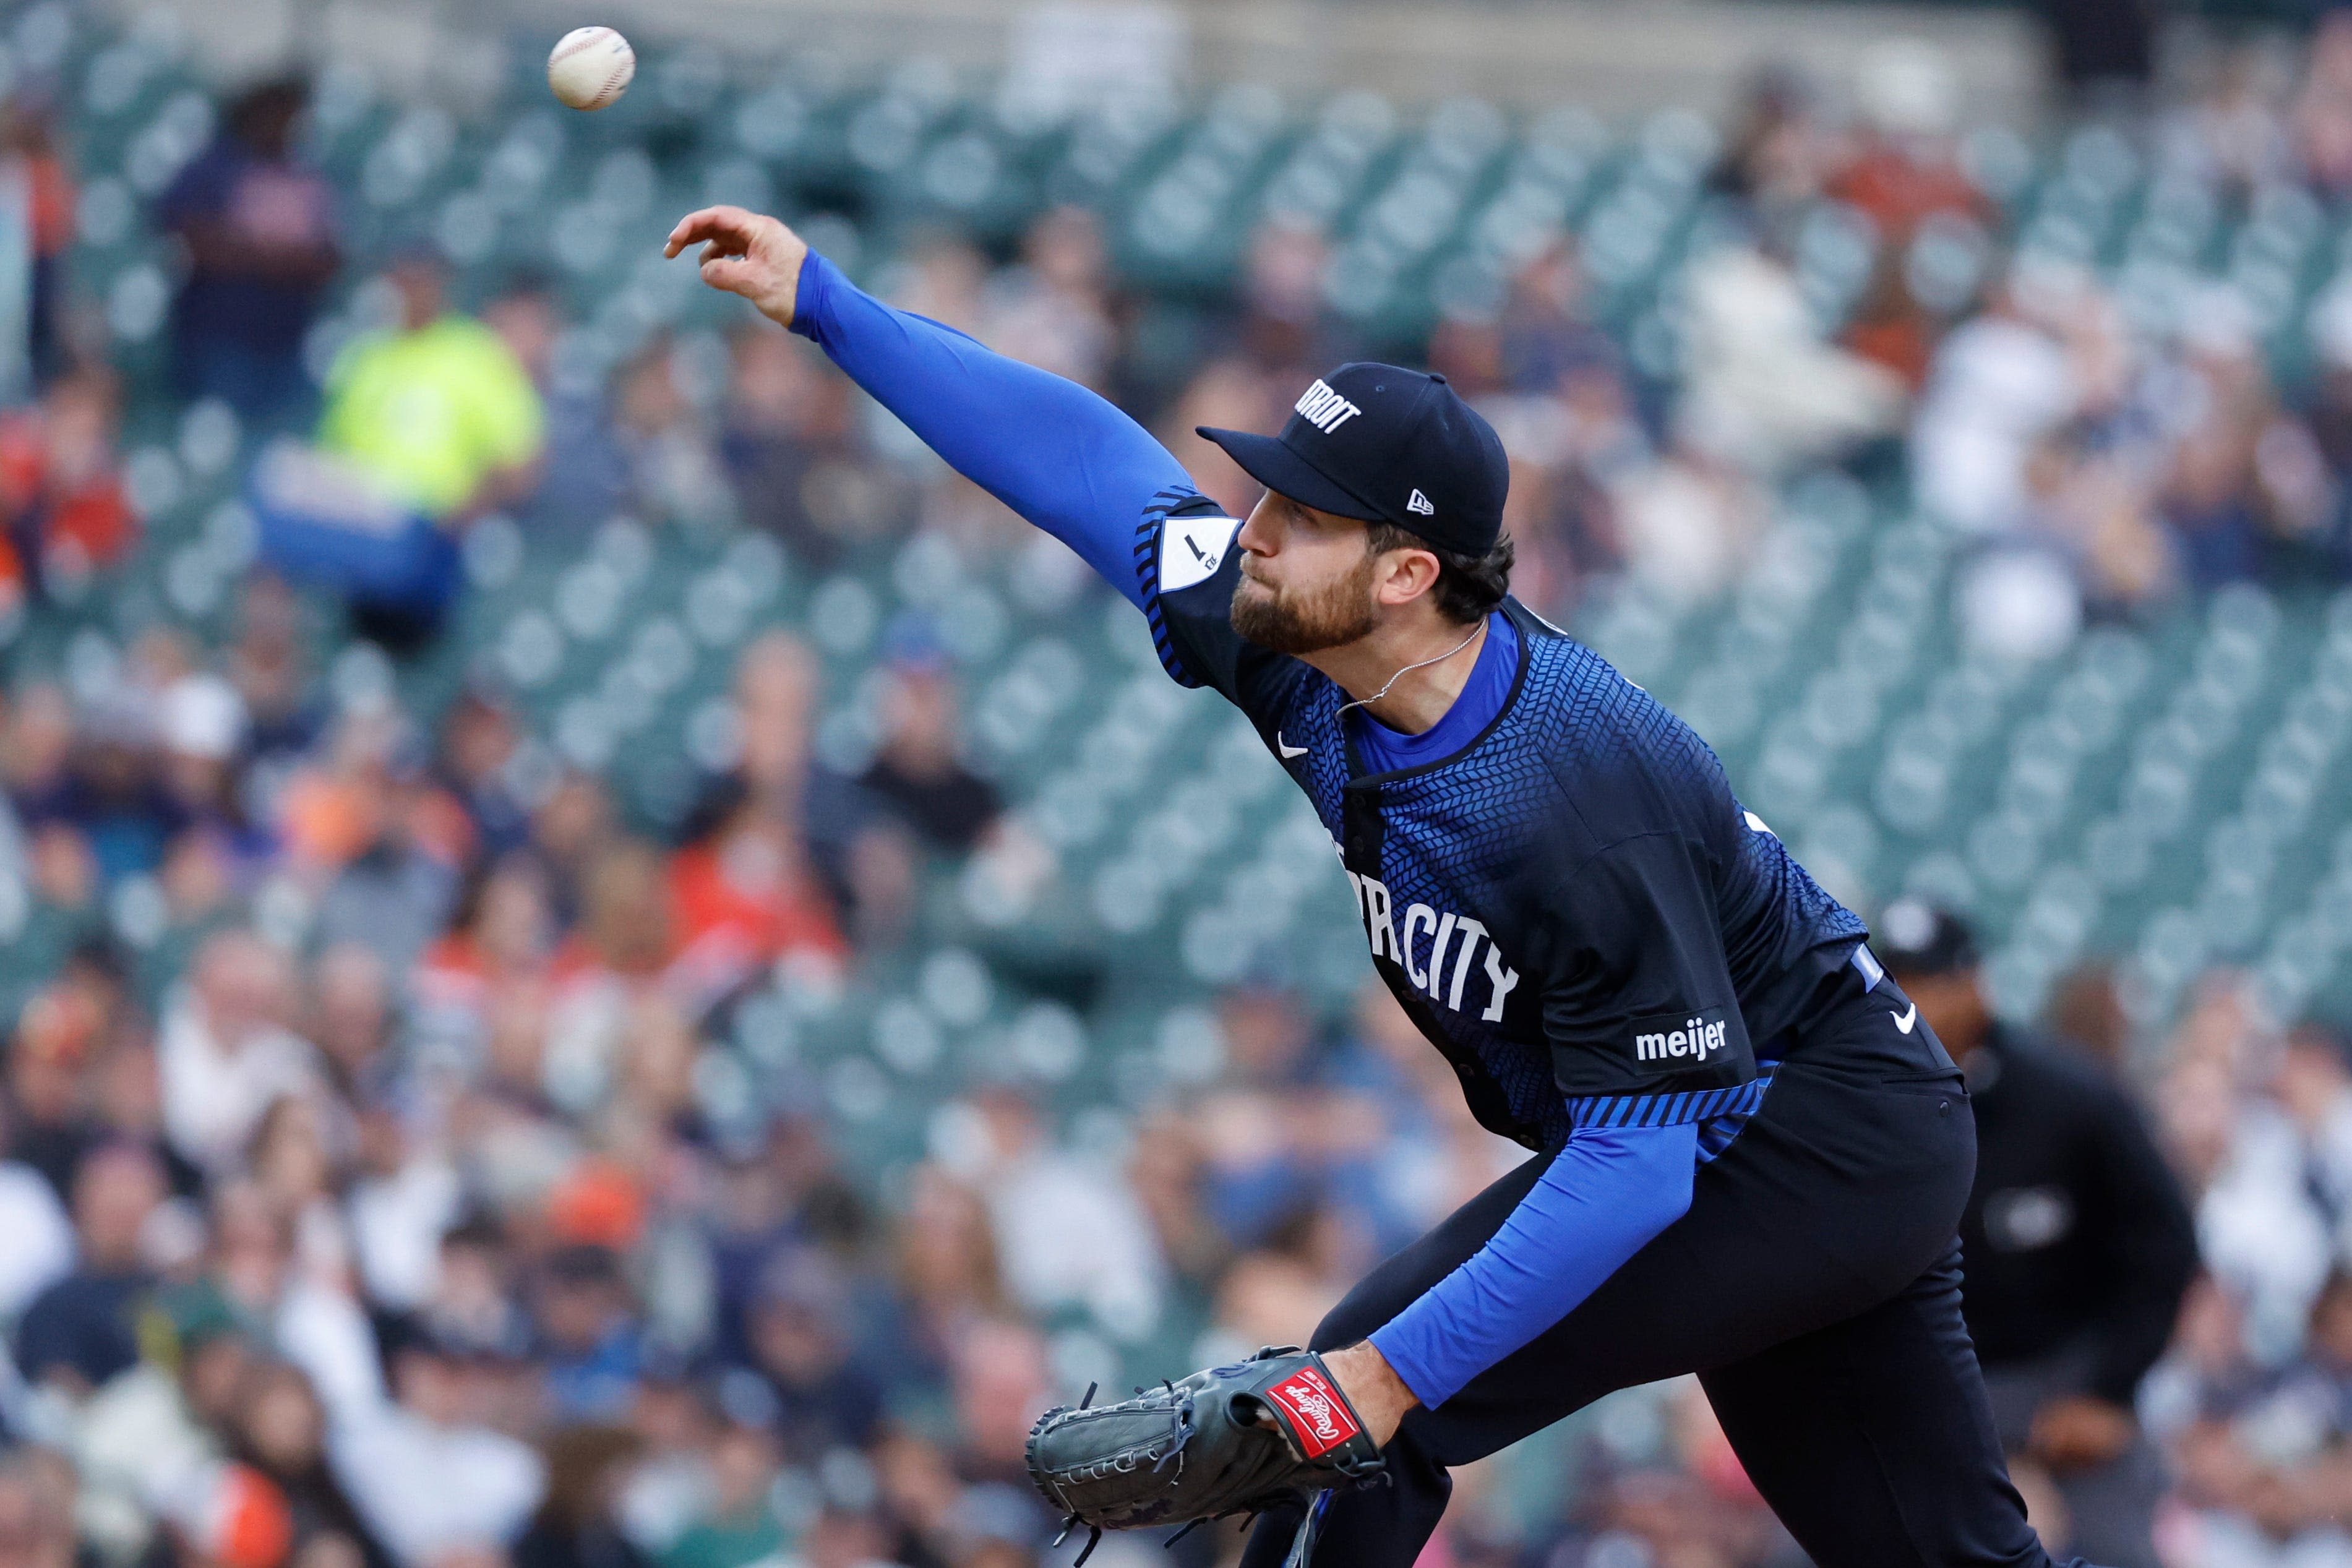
(1813, 1286)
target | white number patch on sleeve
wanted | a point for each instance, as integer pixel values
(1192, 549)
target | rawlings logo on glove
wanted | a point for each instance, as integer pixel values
(1274, 1429)
(1317, 1416)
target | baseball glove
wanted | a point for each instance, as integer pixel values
(1203, 1448)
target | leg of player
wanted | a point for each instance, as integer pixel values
(1827, 1427)
(1821, 1235)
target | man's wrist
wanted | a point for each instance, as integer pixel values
(784, 309)
(1380, 1397)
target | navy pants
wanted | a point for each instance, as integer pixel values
(1814, 1288)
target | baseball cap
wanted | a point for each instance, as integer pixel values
(1385, 444)
(1913, 936)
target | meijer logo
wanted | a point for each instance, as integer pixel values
(1698, 1039)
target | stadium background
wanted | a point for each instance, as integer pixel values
(731, 1081)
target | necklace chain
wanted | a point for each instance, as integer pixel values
(1367, 702)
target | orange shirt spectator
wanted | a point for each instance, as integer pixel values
(60, 494)
(744, 899)
(1901, 188)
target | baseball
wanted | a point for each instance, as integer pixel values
(591, 67)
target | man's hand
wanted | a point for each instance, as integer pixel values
(745, 253)
(1373, 1387)
(2076, 1431)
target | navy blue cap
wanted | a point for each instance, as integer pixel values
(1386, 445)
(1915, 937)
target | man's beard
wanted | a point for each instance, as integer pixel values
(1284, 622)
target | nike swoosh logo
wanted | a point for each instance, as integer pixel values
(1908, 1019)
(1287, 751)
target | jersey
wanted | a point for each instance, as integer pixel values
(1573, 907)
(1556, 881)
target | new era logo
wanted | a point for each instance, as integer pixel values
(1313, 1411)
(1419, 503)
(1323, 409)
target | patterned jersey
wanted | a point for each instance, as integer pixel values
(1573, 907)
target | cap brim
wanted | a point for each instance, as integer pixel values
(1266, 460)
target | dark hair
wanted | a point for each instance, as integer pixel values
(1468, 586)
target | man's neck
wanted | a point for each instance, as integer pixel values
(1416, 698)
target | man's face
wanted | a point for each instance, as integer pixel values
(1308, 582)
(1953, 1005)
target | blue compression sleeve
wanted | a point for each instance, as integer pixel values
(1601, 1201)
(1053, 452)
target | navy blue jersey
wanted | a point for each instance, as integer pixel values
(1573, 908)
(1554, 879)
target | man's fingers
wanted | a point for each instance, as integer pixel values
(720, 225)
(732, 274)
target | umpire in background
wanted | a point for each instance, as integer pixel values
(2075, 1248)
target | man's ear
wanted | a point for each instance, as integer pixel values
(1405, 575)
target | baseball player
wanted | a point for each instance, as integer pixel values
(1748, 1155)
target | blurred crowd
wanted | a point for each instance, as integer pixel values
(364, 1204)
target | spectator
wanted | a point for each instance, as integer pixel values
(226, 1054)
(2262, 1463)
(111, 795)
(1549, 342)
(281, 1433)
(1908, 169)
(948, 1277)
(2078, 1240)
(1997, 386)
(28, 150)
(439, 417)
(63, 506)
(350, 1019)
(392, 889)
(746, 896)
(792, 453)
(672, 458)
(740, 1527)
(1286, 330)
(575, 1527)
(800, 1336)
(1000, 1389)
(1053, 310)
(36, 1519)
(271, 667)
(1068, 1234)
(152, 1433)
(501, 933)
(777, 685)
(583, 479)
(40, 1240)
(48, 1122)
(427, 1475)
(480, 741)
(82, 1329)
(262, 232)
(588, 1330)
(1763, 391)
(916, 771)
(1775, 159)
